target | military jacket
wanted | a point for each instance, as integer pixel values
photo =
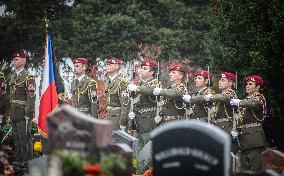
(145, 106)
(224, 111)
(253, 111)
(173, 107)
(198, 104)
(2, 92)
(22, 94)
(117, 101)
(84, 96)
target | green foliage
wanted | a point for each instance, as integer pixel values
(74, 162)
(248, 37)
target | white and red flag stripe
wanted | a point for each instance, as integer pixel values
(48, 99)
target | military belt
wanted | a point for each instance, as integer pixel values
(146, 110)
(20, 102)
(83, 109)
(110, 108)
(250, 125)
(222, 120)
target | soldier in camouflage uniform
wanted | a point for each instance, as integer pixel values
(173, 108)
(224, 111)
(116, 95)
(253, 112)
(22, 87)
(144, 102)
(2, 94)
(84, 89)
(199, 105)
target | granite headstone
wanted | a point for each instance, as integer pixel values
(190, 147)
(73, 130)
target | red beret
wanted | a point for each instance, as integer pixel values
(20, 54)
(257, 79)
(151, 63)
(176, 67)
(114, 60)
(80, 60)
(228, 76)
(203, 73)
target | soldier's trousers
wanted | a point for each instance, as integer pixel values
(251, 159)
(143, 138)
(22, 140)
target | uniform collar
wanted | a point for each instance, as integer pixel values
(113, 77)
(201, 90)
(18, 72)
(81, 77)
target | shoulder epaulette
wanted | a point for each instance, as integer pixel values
(230, 93)
(152, 83)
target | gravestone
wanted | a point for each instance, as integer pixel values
(189, 147)
(120, 136)
(126, 153)
(273, 159)
(73, 130)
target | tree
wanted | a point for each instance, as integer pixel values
(104, 28)
(248, 37)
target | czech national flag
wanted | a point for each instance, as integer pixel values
(49, 99)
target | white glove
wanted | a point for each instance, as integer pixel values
(123, 128)
(157, 90)
(234, 134)
(235, 102)
(186, 98)
(207, 97)
(132, 87)
(131, 115)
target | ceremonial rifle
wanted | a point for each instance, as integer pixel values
(158, 117)
(209, 103)
(186, 104)
(131, 108)
(235, 140)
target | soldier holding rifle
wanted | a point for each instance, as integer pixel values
(253, 112)
(144, 103)
(173, 108)
(198, 100)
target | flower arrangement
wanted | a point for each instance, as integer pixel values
(75, 163)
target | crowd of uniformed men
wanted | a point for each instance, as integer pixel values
(142, 107)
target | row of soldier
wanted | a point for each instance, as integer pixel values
(144, 106)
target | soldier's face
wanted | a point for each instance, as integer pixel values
(19, 62)
(145, 72)
(110, 68)
(224, 83)
(200, 81)
(79, 69)
(252, 88)
(175, 76)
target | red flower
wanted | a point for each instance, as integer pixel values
(95, 169)
(148, 172)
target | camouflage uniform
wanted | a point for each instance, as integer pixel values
(2, 94)
(173, 108)
(199, 105)
(22, 87)
(145, 109)
(84, 96)
(117, 101)
(224, 111)
(252, 138)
